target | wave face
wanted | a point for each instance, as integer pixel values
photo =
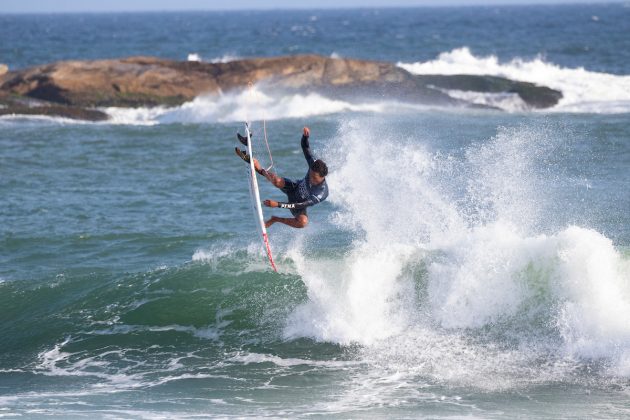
(582, 90)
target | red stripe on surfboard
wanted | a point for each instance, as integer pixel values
(266, 239)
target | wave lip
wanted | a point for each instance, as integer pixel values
(582, 90)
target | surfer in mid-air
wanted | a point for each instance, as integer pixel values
(302, 193)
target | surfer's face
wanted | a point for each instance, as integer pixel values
(314, 177)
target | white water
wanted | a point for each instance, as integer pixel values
(223, 59)
(583, 90)
(464, 290)
(255, 104)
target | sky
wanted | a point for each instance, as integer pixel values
(60, 6)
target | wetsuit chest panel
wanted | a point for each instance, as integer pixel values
(303, 191)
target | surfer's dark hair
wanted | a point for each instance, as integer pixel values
(320, 167)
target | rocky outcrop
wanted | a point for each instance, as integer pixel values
(20, 105)
(150, 81)
(533, 95)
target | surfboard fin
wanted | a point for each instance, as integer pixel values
(242, 154)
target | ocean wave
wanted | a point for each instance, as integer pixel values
(253, 104)
(473, 271)
(582, 90)
(151, 328)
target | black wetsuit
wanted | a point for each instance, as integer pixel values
(301, 193)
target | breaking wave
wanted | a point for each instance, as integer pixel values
(583, 90)
(466, 290)
(254, 104)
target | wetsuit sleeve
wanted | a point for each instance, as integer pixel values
(306, 148)
(299, 206)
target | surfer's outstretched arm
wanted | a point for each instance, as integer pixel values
(306, 147)
(294, 206)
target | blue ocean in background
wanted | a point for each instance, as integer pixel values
(468, 263)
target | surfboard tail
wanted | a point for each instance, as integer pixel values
(268, 249)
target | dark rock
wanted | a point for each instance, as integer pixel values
(72, 112)
(533, 95)
(18, 105)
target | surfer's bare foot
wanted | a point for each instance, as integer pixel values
(270, 222)
(242, 139)
(242, 154)
(257, 165)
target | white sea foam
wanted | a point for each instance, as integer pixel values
(222, 59)
(252, 104)
(250, 358)
(432, 283)
(210, 332)
(194, 57)
(56, 362)
(583, 90)
(213, 255)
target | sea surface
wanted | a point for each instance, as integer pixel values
(467, 264)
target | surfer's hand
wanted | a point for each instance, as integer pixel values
(270, 203)
(306, 132)
(257, 167)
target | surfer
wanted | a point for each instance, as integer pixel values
(308, 191)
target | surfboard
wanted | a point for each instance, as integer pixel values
(255, 197)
